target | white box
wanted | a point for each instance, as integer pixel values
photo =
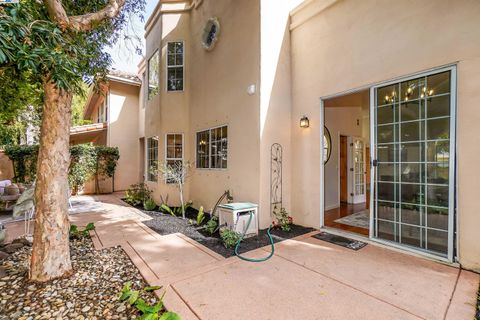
(235, 217)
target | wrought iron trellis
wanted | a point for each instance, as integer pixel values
(276, 154)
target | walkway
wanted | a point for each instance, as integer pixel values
(306, 279)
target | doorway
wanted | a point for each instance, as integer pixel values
(409, 162)
(347, 119)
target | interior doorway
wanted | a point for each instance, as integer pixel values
(347, 119)
(343, 169)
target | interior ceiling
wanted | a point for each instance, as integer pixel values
(356, 99)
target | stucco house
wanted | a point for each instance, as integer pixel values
(114, 117)
(359, 117)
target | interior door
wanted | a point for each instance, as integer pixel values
(357, 170)
(413, 135)
(343, 169)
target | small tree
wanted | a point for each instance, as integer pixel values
(175, 173)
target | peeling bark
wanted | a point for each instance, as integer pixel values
(50, 251)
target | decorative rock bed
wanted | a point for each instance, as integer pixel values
(92, 291)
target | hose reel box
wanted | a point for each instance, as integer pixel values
(235, 217)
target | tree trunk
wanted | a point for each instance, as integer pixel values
(180, 187)
(51, 251)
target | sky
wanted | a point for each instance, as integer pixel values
(123, 54)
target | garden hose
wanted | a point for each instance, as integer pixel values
(237, 246)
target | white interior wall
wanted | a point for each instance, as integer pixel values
(339, 121)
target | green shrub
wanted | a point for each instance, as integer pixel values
(137, 194)
(148, 312)
(284, 220)
(149, 204)
(212, 225)
(82, 165)
(76, 233)
(86, 161)
(229, 238)
(174, 211)
(24, 159)
(200, 216)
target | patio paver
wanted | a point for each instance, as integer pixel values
(306, 279)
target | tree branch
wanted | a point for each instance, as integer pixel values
(82, 22)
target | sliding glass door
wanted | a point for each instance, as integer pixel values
(413, 150)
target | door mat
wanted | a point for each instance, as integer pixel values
(341, 241)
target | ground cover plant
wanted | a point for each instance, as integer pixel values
(208, 232)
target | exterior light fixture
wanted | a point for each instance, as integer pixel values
(304, 122)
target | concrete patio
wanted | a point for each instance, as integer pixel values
(306, 279)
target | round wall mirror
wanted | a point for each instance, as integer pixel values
(327, 145)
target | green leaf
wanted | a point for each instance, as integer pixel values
(90, 227)
(133, 297)
(149, 316)
(170, 316)
(126, 286)
(167, 209)
(125, 296)
(152, 288)
(142, 306)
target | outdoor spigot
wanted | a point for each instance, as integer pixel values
(229, 196)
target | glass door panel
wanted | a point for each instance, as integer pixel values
(358, 194)
(413, 186)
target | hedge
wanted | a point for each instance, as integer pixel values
(86, 161)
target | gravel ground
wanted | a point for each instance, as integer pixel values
(167, 224)
(90, 293)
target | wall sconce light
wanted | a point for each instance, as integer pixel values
(304, 122)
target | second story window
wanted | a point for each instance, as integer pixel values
(153, 74)
(175, 57)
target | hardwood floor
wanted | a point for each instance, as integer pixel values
(342, 211)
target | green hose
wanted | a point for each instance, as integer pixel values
(241, 239)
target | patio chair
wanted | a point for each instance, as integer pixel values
(26, 206)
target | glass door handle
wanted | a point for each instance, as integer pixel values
(375, 163)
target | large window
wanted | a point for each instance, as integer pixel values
(175, 55)
(212, 148)
(152, 158)
(103, 110)
(174, 150)
(153, 74)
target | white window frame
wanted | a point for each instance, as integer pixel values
(166, 148)
(148, 160)
(210, 148)
(175, 66)
(158, 75)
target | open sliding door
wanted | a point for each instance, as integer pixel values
(413, 166)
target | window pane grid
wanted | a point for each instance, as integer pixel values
(175, 65)
(174, 151)
(152, 158)
(153, 75)
(212, 148)
(412, 125)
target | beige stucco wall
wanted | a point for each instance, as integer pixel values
(339, 121)
(215, 93)
(6, 167)
(352, 44)
(123, 132)
(219, 96)
(275, 100)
